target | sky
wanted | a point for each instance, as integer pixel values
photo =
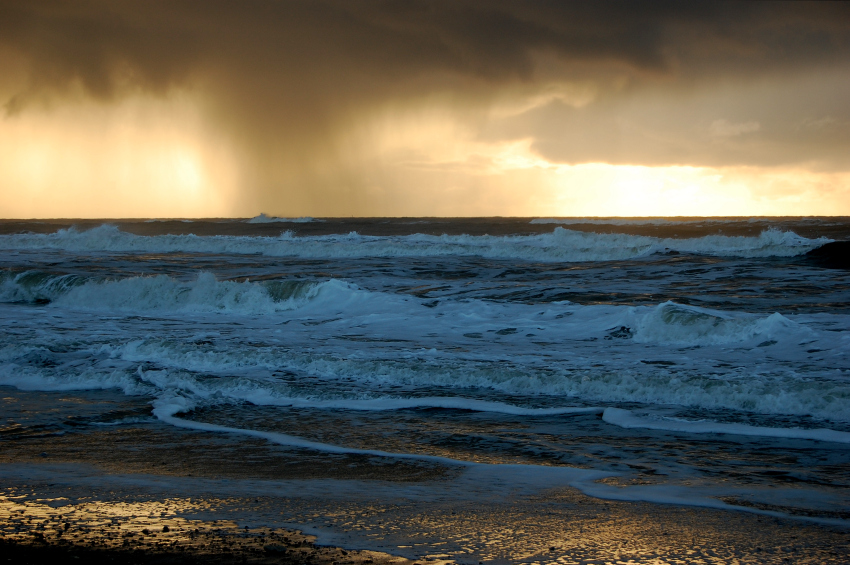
(220, 108)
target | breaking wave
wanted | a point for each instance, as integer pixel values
(163, 293)
(36, 287)
(678, 324)
(264, 219)
(561, 245)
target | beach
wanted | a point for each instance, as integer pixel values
(503, 390)
(61, 512)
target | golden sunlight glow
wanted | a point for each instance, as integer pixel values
(441, 168)
(158, 158)
(141, 158)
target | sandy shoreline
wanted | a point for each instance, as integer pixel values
(57, 514)
(107, 494)
(41, 531)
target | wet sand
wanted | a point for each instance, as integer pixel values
(151, 493)
(64, 511)
(46, 530)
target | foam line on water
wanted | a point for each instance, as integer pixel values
(446, 402)
(760, 397)
(24, 378)
(261, 395)
(542, 476)
(166, 410)
(686, 496)
(627, 419)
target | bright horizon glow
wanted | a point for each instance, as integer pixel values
(151, 158)
(143, 158)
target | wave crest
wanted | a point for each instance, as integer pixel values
(678, 324)
(166, 294)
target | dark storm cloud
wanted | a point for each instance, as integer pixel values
(770, 122)
(109, 45)
(280, 77)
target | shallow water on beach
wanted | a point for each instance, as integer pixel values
(685, 361)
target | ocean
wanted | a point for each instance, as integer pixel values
(692, 362)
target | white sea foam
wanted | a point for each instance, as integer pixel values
(627, 381)
(246, 375)
(668, 323)
(261, 394)
(303, 347)
(561, 245)
(379, 339)
(535, 476)
(627, 419)
(265, 393)
(25, 378)
(166, 410)
(445, 402)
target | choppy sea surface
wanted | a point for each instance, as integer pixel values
(690, 361)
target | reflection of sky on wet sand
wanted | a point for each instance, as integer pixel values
(559, 526)
(111, 483)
